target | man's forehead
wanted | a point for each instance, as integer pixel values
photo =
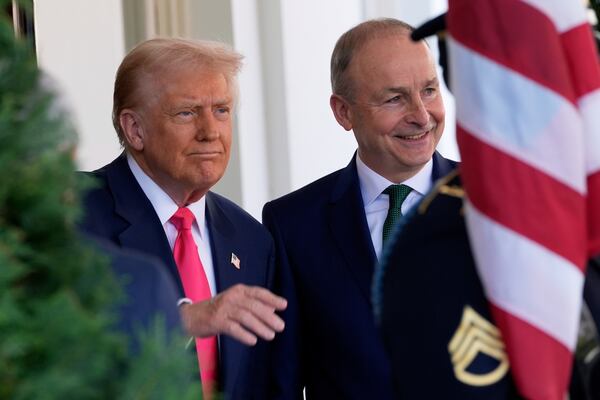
(175, 73)
(208, 98)
(190, 80)
(396, 51)
(400, 40)
(181, 90)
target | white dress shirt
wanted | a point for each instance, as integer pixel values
(165, 207)
(377, 203)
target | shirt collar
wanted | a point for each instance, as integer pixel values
(372, 184)
(164, 205)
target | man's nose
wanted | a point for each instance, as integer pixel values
(207, 127)
(417, 114)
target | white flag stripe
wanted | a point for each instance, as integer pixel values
(509, 264)
(563, 15)
(589, 106)
(518, 116)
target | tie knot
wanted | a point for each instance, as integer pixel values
(397, 194)
(183, 219)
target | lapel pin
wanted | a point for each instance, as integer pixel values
(235, 261)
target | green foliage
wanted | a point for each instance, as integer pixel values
(56, 293)
(157, 366)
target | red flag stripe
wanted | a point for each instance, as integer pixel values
(483, 27)
(518, 274)
(564, 15)
(524, 199)
(594, 214)
(534, 357)
(578, 44)
(544, 131)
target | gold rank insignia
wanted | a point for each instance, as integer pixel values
(476, 335)
(446, 185)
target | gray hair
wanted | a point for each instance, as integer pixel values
(352, 41)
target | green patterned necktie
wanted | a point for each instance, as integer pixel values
(397, 195)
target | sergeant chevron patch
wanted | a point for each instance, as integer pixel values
(477, 336)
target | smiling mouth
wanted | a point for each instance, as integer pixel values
(414, 137)
(205, 153)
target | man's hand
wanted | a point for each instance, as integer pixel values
(242, 312)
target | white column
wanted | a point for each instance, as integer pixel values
(251, 125)
(288, 136)
(80, 45)
(317, 145)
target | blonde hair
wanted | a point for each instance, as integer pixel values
(157, 56)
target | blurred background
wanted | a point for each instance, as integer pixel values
(285, 133)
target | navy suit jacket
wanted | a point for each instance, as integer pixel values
(325, 260)
(148, 291)
(119, 211)
(421, 287)
(420, 309)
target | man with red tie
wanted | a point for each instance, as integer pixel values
(173, 111)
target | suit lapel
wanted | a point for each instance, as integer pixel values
(348, 222)
(441, 166)
(224, 242)
(144, 231)
(348, 225)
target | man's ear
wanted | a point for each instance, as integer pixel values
(132, 128)
(341, 111)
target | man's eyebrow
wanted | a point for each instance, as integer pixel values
(195, 102)
(223, 100)
(432, 82)
(397, 89)
(402, 90)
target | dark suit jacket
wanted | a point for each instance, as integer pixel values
(592, 289)
(148, 290)
(428, 278)
(421, 308)
(119, 211)
(327, 259)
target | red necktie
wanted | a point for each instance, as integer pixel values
(195, 286)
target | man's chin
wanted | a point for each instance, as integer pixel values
(206, 180)
(416, 161)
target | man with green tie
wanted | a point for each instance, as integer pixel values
(330, 234)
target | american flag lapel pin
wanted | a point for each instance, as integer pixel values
(235, 261)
